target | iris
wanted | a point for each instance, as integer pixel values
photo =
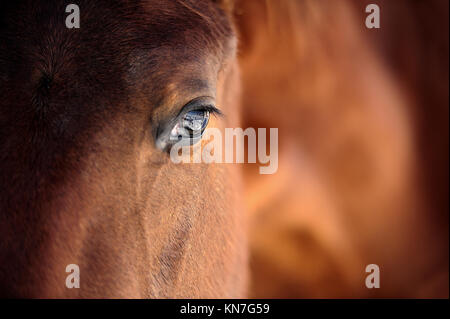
(191, 126)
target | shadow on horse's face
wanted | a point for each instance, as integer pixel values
(81, 180)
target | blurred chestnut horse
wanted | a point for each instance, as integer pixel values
(363, 160)
(81, 181)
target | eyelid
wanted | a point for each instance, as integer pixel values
(200, 103)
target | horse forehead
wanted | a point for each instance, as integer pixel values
(113, 29)
(119, 42)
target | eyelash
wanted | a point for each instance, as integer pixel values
(210, 108)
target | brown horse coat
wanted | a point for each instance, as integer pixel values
(363, 141)
(81, 180)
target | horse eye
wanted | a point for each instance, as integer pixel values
(190, 127)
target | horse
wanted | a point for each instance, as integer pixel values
(82, 179)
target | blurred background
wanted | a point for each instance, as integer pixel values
(363, 146)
